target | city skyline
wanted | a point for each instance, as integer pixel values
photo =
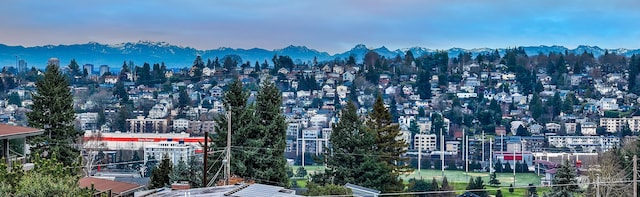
(332, 26)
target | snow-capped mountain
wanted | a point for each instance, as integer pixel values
(180, 56)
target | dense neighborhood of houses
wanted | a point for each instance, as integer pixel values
(160, 125)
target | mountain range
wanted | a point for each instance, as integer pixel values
(178, 56)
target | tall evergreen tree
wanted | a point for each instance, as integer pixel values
(52, 110)
(271, 124)
(565, 183)
(74, 68)
(180, 172)
(535, 106)
(235, 101)
(555, 104)
(387, 144)
(160, 175)
(183, 99)
(386, 134)
(349, 159)
(195, 172)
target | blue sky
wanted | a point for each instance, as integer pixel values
(326, 25)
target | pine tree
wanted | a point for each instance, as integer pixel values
(387, 144)
(183, 100)
(535, 106)
(497, 166)
(477, 186)
(554, 103)
(195, 172)
(235, 101)
(121, 92)
(74, 68)
(565, 179)
(52, 110)
(447, 187)
(498, 193)
(301, 172)
(349, 142)
(381, 124)
(270, 123)
(160, 175)
(419, 185)
(434, 185)
(507, 168)
(493, 181)
(180, 172)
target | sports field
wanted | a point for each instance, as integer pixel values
(522, 179)
(459, 179)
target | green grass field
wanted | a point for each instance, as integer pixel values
(522, 179)
(460, 179)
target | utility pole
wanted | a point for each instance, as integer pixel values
(635, 175)
(490, 156)
(501, 143)
(463, 146)
(514, 166)
(442, 152)
(466, 155)
(482, 163)
(419, 156)
(228, 164)
(206, 154)
(304, 146)
(598, 186)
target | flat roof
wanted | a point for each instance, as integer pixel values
(13, 132)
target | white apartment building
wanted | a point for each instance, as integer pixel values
(615, 124)
(425, 142)
(603, 143)
(180, 124)
(87, 121)
(175, 150)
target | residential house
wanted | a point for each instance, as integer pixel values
(588, 128)
(348, 76)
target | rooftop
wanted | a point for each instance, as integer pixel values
(116, 187)
(13, 132)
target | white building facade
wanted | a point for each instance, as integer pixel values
(175, 150)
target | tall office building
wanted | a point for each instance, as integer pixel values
(54, 61)
(88, 68)
(104, 69)
(22, 66)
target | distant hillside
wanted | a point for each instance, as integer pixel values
(179, 56)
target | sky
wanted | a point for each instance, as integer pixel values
(333, 26)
